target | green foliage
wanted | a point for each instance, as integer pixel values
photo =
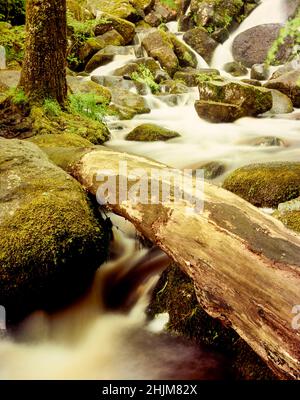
(18, 97)
(144, 75)
(290, 30)
(88, 105)
(170, 3)
(51, 108)
(12, 11)
(208, 77)
(13, 40)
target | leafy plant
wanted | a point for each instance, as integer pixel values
(89, 105)
(12, 38)
(18, 96)
(144, 75)
(290, 30)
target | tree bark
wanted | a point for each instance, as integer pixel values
(245, 264)
(43, 73)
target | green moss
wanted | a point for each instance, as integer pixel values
(17, 96)
(60, 140)
(151, 133)
(290, 219)
(265, 185)
(175, 294)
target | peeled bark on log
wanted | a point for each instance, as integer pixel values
(245, 264)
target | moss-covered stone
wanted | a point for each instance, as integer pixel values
(62, 140)
(231, 100)
(159, 46)
(108, 22)
(235, 68)
(151, 133)
(78, 85)
(289, 214)
(51, 241)
(185, 56)
(126, 9)
(288, 84)
(201, 42)
(265, 185)
(190, 76)
(126, 100)
(175, 295)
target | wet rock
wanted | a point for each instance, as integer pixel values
(60, 140)
(151, 133)
(113, 81)
(259, 72)
(201, 42)
(185, 56)
(131, 67)
(78, 85)
(265, 185)
(190, 76)
(185, 23)
(160, 14)
(212, 169)
(109, 22)
(265, 141)
(288, 84)
(126, 9)
(282, 104)
(231, 100)
(291, 66)
(252, 46)
(235, 68)
(214, 111)
(174, 87)
(159, 46)
(128, 102)
(160, 76)
(51, 240)
(252, 82)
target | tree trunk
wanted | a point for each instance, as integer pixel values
(245, 264)
(43, 74)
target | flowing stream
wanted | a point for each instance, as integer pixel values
(88, 340)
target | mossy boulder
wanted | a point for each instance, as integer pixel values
(185, 56)
(288, 84)
(159, 46)
(51, 241)
(201, 42)
(62, 140)
(190, 76)
(175, 294)
(260, 72)
(289, 214)
(126, 9)
(151, 133)
(78, 85)
(109, 22)
(265, 185)
(129, 102)
(231, 100)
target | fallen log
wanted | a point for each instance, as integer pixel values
(245, 264)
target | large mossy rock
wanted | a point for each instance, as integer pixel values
(51, 241)
(175, 294)
(201, 42)
(225, 101)
(151, 133)
(252, 46)
(108, 22)
(159, 46)
(127, 104)
(78, 85)
(265, 185)
(289, 84)
(127, 9)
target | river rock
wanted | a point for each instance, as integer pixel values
(128, 104)
(288, 84)
(51, 240)
(160, 14)
(252, 46)
(265, 141)
(212, 169)
(113, 81)
(151, 133)
(159, 46)
(201, 42)
(282, 104)
(77, 85)
(185, 56)
(226, 101)
(266, 185)
(190, 76)
(259, 72)
(235, 68)
(109, 22)
(126, 9)
(131, 67)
